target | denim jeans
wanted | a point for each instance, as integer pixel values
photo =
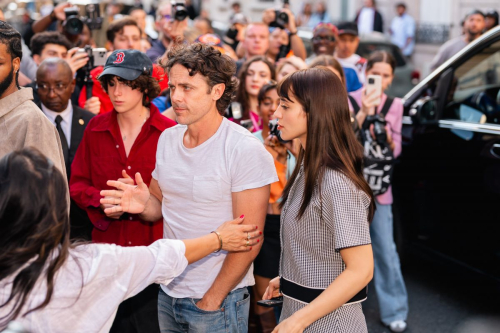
(388, 280)
(182, 314)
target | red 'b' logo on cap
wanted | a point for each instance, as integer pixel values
(120, 56)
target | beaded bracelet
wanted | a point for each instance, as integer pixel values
(220, 240)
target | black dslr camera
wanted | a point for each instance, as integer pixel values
(379, 130)
(73, 23)
(179, 10)
(281, 18)
(273, 130)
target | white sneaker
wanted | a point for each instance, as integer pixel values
(398, 326)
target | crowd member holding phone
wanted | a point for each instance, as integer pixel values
(254, 73)
(48, 284)
(371, 100)
(326, 257)
(266, 264)
(115, 145)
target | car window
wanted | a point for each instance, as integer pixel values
(367, 48)
(475, 91)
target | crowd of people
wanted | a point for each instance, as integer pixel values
(116, 177)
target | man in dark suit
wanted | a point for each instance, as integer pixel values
(55, 85)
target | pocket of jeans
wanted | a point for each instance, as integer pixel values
(220, 310)
(242, 311)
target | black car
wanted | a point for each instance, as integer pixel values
(447, 181)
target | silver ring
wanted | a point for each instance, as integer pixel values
(248, 235)
(248, 243)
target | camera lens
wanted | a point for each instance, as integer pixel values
(73, 25)
(371, 80)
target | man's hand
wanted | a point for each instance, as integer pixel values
(115, 216)
(209, 305)
(126, 198)
(76, 61)
(93, 105)
(59, 10)
(291, 20)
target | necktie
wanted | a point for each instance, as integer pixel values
(64, 142)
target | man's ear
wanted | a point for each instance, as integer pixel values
(218, 91)
(37, 59)
(109, 46)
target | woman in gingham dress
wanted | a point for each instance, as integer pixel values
(326, 257)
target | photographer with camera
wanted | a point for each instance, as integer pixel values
(171, 22)
(285, 20)
(75, 28)
(380, 119)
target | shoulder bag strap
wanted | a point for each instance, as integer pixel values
(354, 104)
(387, 106)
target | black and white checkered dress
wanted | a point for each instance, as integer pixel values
(310, 245)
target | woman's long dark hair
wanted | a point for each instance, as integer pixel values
(331, 141)
(34, 226)
(241, 92)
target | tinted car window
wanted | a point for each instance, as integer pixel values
(476, 88)
(367, 48)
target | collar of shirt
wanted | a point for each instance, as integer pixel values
(111, 123)
(15, 99)
(66, 115)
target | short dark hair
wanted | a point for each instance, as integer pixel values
(401, 4)
(41, 39)
(208, 61)
(12, 38)
(145, 83)
(117, 27)
(381, 56)
(474, 12)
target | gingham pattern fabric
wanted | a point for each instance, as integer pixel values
(310, 245)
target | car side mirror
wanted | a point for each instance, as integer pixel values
(424, 111)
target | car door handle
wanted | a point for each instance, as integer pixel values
(495, 150)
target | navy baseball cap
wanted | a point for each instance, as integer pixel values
(348, 28)
(128, 64)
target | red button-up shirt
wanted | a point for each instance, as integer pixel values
(97, 90)
(101, 157)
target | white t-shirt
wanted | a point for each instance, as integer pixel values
(196, 185)
(355, 61)
(365, 21)
(92, 283)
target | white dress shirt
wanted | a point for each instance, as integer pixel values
(67, 116)
(365, 21)
(402, 28)
(92, 282)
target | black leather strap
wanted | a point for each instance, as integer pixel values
(308, 295)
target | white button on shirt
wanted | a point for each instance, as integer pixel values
(66, 115)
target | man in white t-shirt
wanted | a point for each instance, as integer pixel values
(208, 170)
(347, 44)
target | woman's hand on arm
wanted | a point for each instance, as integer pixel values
(236, 237)
(357, 274)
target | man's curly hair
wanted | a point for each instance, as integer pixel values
(209, 62)
(145, 83)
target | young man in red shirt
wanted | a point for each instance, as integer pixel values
(122, 34)
(114, 145)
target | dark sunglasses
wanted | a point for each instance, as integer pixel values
(320, 38)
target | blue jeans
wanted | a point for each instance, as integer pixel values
(388, 280)
(182, 314)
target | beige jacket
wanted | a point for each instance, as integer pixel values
(22, 124)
